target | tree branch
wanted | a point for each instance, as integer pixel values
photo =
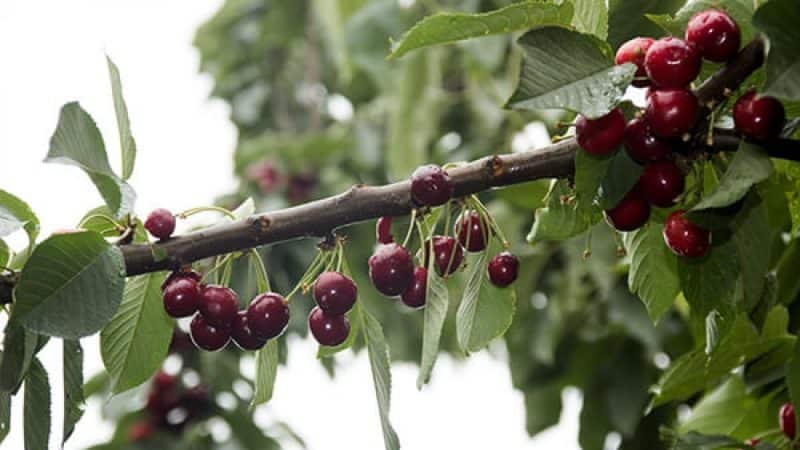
(360, 203)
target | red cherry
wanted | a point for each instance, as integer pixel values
(503, 269)
(634, 51)
(448, 254)
(182, 297)
(414, 296)
(208, 336)
(383, 230)
(685, 238)
(328, 330)
(334, 293)
(219, 305)
(243, 336)
(630, 213)
(391, 269)
(786, 420)
(183, 273)
(472, 231)
(662, 182)
(265, 175)
(140, 430)
(431, 186)
(268, 315)
(671, 112)
(160, 223)
(603, 135)
(162, 381)
(715, 34)
(672, 63)
(642, 144)
(181, 342)
(759, 117)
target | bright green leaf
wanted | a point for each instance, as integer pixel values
(653, 274)
(126, 141)
(36, 412)
(266, 372)
(72, 355)
(778, 19)
(380, 365)
(750, 165)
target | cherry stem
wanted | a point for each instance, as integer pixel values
(262, 278)
(201, 209)
(410, 227)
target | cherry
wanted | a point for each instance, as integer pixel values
(662, 182)
(219, 305)
(642, 145)
(243, 336)
(414, 296)
(630, 213)
(207, 336)
(265, 175)
(715, 35)
(634, 51)
(431, 186)
(685, 238)
(448, 254)
(603, 135)
(391, 269)
(334, 293)
(758, 117)
(160, 223)
(181, 342)
(472, 231)
(671, 112)
(328, 330)
(383, 230)
(503, 269)
(672, 63)
(183, 273)
(182, 297)
(162, 381)
(268, 315)
(140, 430)
(787, 421)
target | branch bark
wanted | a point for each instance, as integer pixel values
(360, 203)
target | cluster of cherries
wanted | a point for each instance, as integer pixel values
(391, 267)
(667, 67)
(786, 421)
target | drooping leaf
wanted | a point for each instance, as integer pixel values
(653, 274)
(591, 17)
(36, 411)
(71, 285)
(16, 214)
(5, 415)
(380, 365)
(266, 372)
(445, 28)
(126, 141)
(750, 165)
(73, 386)
(19, 348)
(134, 344)
(77, 142)
(467, 308)
(778, 20)
(565, 69)
(436, 304)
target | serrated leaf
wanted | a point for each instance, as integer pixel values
(565, 69)
(19, 348)
(620, 177)
(126, 142)
(750, 165)
(71, 286)
(77, 142)
(134, 344)
(16, 214)
(380, 365)
(591, 16)
(72, 355)
(778, 19)
(653, 274)
(36, 411)
(436, 304)
(467, 308)
(266, 372)
(446, 28)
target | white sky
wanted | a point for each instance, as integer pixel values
(52, 52)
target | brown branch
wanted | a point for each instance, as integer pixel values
(360, 203)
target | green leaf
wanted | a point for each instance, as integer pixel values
(332, 16)
(591, 17)
(5, 253)
(445, 28)
(266, 372)
(697, 441)
(626, 18)
(653, 273)
(562, 218)
(752, 235)
(134, 344)
(750, 165)
(380, 365)
(71, 286)
(467, 309)
(793, 376)
(778, 19)
(36, 412)
(436, 305)
(77, 142)
(16, 214)
(73, 386)
(721, 410)
(542, 407)
(19, 348)
(740, 10)
(565, 69)
(620, 177)
(126, 142)
(5, 415)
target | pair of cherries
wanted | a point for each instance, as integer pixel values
(335, 295)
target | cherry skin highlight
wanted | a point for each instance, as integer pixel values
(715, 35)
(334, 293)
(672, 63)
(472, 231)
(685, 238)
(634, 52)
(391, 269)
(671, 112)
(208, 336)
(758, 117)
(328, 330)
(268, 315)
(503, 269)
(642, 144)
(662, 183)
(219, 305)
(160, 223)
(431, 186)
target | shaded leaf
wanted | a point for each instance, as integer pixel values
(73, 386)
(19, 348)
(380, 365)
(5, 415)
(626, 18)
(750, 165)
(16, 214)
(653, 274)
(778, 19)
(36, 411)
(436, 304)
(622, 174)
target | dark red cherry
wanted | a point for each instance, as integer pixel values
(787, 421)
(634, 51)
(642, 144)
(383, 230)
(182, 297)
(182, 273)
(672, 63)
(431, 186)
(662, 183)
(334, 293)
(208, 336)
(603, 135)
(759, 117)
(685, 238)
(630, 213)
(162, 381)
(160, 223)
(265, 175)
(448, 254)
(268, 315)
(715, 34)
(671, 112)
(219, 305)
(414, 296)
(391, 269)
(328, 330)
(243, 336)
(472, 231)
(181, 342)
(503, 269)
